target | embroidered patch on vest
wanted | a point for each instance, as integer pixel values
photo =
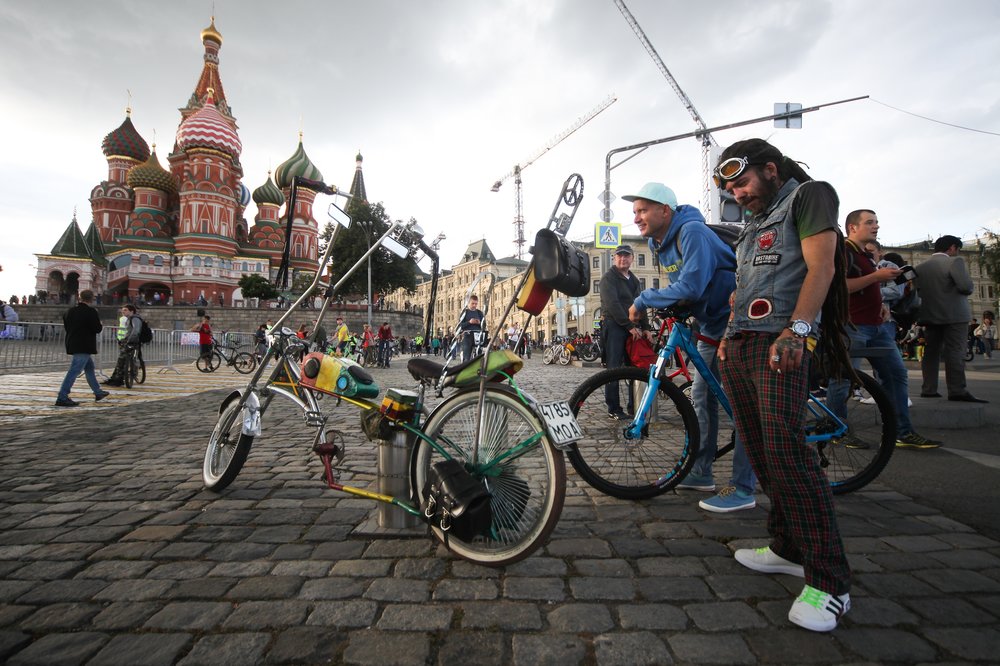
(770, 259)
(759, 308)
(766, 240)
(672, 268)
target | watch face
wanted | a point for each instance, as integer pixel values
(801, 328)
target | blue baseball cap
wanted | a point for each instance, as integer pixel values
(657, 192)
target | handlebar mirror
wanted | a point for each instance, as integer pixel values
(337, 214)
(395, 247)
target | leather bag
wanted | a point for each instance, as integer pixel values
(561, 265)
(455, 501)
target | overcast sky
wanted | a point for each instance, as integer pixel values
(443, 97)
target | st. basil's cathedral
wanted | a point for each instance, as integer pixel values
(179, 235)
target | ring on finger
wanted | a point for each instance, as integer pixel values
(776, 358)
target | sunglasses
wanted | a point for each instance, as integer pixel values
(730, 169)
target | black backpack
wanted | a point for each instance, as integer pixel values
(145, 333)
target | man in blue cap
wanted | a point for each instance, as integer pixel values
(701, 269)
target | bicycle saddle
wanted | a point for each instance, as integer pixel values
(424, 369)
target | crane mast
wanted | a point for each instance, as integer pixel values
(707, 141)
(518, 168)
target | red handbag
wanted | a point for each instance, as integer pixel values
(640, 351)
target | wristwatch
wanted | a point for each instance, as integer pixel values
(800, 328)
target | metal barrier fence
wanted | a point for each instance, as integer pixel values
(28, 346)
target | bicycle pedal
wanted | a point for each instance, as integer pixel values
(331, 445)
(315, 419)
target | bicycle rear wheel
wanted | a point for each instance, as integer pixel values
(856, 458)
(633, 468)
(140, 371)
(549, 355)
(525, 476)
(588, 352)
(244, 362)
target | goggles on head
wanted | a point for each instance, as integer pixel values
(730, 169)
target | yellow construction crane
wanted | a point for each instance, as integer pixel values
(518, 168)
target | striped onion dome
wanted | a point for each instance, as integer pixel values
(151, 174)
(268, 193)
(244, 195)
(125, 141)
(207, 128)
(298, 164)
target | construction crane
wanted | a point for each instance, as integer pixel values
(707, 141)
(518, 168)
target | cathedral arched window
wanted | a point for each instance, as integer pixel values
(144, 260)
(245, 269)
(208, 262)
(196, 262)
(157, 260)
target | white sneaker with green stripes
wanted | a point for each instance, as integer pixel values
(817, 610)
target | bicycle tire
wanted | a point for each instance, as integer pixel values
(527, 492)
(244, 363)
(209, 363)
(589, 353)
(227, 450)
(969, 356)
(549, 355)
(128, 377)
(848, 467)
(633, 469)
(565, 357)
(140, 374)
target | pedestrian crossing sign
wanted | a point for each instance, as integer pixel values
(608, 235)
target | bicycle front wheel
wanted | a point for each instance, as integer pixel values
(244, 362)
(564, 357)
(524, 474)
(209, 363)
(227, 449)
(588, 353)
(140, 371)
(129, 377)
(632, 468)
(854, 459)
(549, 355)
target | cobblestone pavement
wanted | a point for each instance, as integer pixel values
(112, 553)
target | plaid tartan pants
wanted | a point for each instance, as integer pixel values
(768, 409)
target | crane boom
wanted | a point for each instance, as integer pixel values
(707, 140)
(518, 168)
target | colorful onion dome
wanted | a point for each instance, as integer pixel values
(211, 33)
(244, 195)
(298, 164)
(268, 193)
(126, 142)
(207, 128)
(151, 174)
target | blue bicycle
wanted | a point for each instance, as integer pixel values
(653, 452)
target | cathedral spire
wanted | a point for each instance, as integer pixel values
(357, 190)
(211, 38)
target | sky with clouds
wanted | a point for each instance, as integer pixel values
(443, 97)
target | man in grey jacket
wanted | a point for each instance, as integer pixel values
(944, 285)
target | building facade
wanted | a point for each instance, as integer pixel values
(179, 234)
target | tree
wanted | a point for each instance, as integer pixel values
(389, 272)
(989, 255)
(257, 286)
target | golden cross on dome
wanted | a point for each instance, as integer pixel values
(128, 107)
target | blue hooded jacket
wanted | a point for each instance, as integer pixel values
(702, 272)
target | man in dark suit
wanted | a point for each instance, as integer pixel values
(944, 284)
(82, 326)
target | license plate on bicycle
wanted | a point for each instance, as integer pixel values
(560, 423)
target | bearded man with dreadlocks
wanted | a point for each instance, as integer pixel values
(789, 269)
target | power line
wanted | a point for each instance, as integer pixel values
(934, 120)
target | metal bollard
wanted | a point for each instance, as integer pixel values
(394, 479)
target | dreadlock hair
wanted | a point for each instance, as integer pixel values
(832, 355)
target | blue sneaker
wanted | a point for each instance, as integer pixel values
(728, 499)
(695, 482)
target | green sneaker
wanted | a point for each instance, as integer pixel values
(914, 440)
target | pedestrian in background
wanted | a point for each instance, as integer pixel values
(204, 330)
(82, 326)
(944, 285)
(986, 333)
(619, 287)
